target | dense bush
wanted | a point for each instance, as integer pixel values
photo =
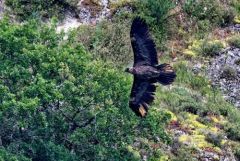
(194, 81)
(66, 97)
(203, 101)
(211, 48)
(156, 13)
(234, 41)
(236, 5)
(58, 103)
(108, 41)
(211, 10)
(35, 8)
(237, 152)
(5, 155)
(190, 100)
(204, 47)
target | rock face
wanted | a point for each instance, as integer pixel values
(201, 137)
(1, 8)
(224, 72)
(235, 28)
(88, 12)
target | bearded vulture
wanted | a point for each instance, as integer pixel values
(145, 70)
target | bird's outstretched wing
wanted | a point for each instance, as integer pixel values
(143, 46)
(142, 95)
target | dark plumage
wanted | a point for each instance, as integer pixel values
(145, 69)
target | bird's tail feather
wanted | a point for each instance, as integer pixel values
(167, 75)
(167, 78)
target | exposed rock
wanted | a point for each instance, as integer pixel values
(70, 22)
(81, 12)
(205, 140)
(235, 28)
(88, 12)
(197, 68)
(1, 8)
(224, 72)
(91, 11)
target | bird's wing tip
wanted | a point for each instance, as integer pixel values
(138, 21)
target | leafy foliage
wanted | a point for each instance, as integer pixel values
(209, 10)
(155, 12)
(234, 41)
(35, 8)
(237, 152)
(108, 41)
(58, 103)
(204, 47)
(67, 98)
(212, 48)
(191, 101)
(5, 155)
(236, 5)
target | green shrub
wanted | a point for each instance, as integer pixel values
(204, 26)
(211, 48)
(57, 102)
(108, 41)
(236, 5)
(204, 47)
(155, 12)
(237, 152)
(186, 76)
(212, 102)
(5, 155)
(233, 131)
(53, 87)
(213, 11)
(234, 41)
(85, 36)
(154, 123)
(215, 139)
(35, 8)
(49, 151)
(183, 153)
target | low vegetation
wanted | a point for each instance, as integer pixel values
(212, 11)
(156, 15)
(108, 41)
(64, 96)
(229, 73)
(43, 9)
(44, 116)
(234, 41)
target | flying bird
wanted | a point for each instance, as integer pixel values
(145, 70)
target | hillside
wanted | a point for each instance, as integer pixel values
(64, 93)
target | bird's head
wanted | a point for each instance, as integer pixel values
(130, 70)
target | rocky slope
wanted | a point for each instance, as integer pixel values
(224, 71)
(88, 12)
(194, 131)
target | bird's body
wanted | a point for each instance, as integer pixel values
(146, 70)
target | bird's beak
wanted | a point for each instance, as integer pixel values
(126, 70)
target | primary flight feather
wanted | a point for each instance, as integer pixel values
(145, 69)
